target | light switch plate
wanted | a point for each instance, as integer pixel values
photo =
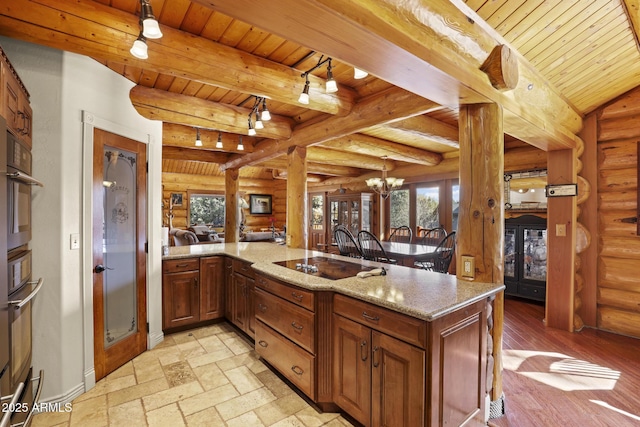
(561, 230)
(468, 266)
(74, 241)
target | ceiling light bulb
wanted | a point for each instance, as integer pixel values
(331, 86)
(304, 96)
(139, 48)
(359, 74)
(259, 124)
(219, 142)
(240, 146)
(252, 130)
(150, 26)
(265, 115)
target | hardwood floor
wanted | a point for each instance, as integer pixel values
(557, 378)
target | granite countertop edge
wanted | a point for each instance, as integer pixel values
(417, 293)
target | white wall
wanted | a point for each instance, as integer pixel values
(64, 88)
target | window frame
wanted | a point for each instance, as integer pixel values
(191, 193)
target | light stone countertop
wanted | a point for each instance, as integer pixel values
(418, 293)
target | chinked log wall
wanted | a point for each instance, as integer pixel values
(618, 287)
(181, 183)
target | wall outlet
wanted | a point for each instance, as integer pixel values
(468, 266)
(74, 241)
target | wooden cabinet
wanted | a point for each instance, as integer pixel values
(192, 291)
(241, 288)
(377, 379)
(353, 210)
(15, 102)
(286, 331)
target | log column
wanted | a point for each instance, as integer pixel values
(232, 219)
(297, 215)
(561, 242)
(481, 219)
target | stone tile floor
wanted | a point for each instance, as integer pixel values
(209, 376)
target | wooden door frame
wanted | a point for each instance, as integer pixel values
(89, 123)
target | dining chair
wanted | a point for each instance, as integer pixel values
(347, 244)
(402, 234)
(433, 236)
(442, 256)
(372, 249)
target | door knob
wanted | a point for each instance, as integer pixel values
(100, 268)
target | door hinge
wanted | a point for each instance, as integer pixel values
(146, 247)
(147, 167)
(147, 327)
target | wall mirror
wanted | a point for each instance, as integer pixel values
(525, 190)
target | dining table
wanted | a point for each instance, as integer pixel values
(406, 253)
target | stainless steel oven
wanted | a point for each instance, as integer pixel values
(19, 182)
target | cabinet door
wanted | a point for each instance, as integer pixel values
(228, 292)
(239, 311)
(181, 299)
(11, 100)
(211, 288)
(250, 311)
(398, 387)
(352, 368)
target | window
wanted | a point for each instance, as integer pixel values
(455, 206)
(427, 203)
(399, 214)
(206, 209)
(317, 212)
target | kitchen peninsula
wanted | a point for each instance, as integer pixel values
(408, 347)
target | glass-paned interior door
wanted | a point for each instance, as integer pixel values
(510, 252)
(535, 254)
(119, 245)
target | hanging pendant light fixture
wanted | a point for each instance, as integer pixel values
(139, 48)
(265, 115)
(385, 185)
(330, 86)
(240, 146)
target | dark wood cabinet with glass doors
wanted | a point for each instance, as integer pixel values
(525, 257)
(356, 211)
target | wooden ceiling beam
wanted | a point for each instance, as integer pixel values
(175, 135)
(90, 28)
(193, 154)
(155, 104)
(383, 107)
(434, 49)
(329, 156)
(426, 127)
(376, 147)
(314, 168)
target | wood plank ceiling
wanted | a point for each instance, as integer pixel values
(586, 50)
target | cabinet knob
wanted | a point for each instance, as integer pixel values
(263, 343)
(262, 307)
(373, 356)
(297, 370)
(297, 296)
(297, 327)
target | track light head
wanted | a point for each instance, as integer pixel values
(331, 86)
(219, 142)
(240, 146)
(304, 96)
(198, 140)
(359, 74)
(150, 26)
(139, 48)
(252, 130)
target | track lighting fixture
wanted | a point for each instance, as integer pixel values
(150, 26)
(139, 48)
(330, 86)
(198, 140)
(261, 114)
(359, 74)
(219, 142)
(240, 146)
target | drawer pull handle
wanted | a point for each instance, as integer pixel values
(182, 265)
(297, 370)
(297, 296)
(263, 282)
(263, 343)
(297, 327)
(370, 317)
(363, 351)
(373, 357)
(262, 307)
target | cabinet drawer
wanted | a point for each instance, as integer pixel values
(243, 268)
(179, 265)
(408, 329)
(298, 296)
(532, 291)
(289, 359)
(292, 321)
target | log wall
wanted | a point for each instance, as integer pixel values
(181, 183)
(618, 287)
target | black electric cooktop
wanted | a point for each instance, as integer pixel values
(327, 268)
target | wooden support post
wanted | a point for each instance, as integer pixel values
(480, 231)
(561, 242)
(297, 215)
(231, 220)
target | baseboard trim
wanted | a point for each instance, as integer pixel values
(54, 403)
(154, 339)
